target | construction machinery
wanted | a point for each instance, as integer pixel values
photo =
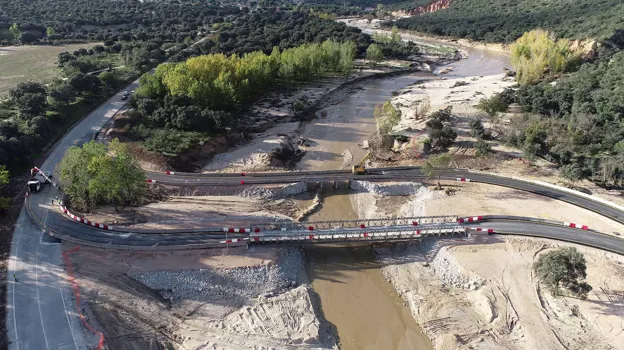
(34, 185)
(360, 169)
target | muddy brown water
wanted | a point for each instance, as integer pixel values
(363, 308)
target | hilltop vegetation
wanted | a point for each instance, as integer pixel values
(574, 121)
(58, 21)
(507, 20)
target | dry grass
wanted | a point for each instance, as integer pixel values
(23, 63)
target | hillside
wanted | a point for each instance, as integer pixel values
(506, 20)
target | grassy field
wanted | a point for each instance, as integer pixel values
(23, 63)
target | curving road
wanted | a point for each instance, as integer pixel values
(40, 307)
(385, 174)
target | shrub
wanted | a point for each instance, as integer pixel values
(566, 268)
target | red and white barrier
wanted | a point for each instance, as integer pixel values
(573, 225)
(239, 230)
(463, 179)
(233, 240)
(470, 219)
(150, 181)
(169, 172)
(85, 221)
(481, 229)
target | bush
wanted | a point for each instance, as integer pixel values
(477, 130)
(493, 105)
(440, 133)
(483, 148)
(565, 268)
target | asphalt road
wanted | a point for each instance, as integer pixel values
(398, 173)
(40, 308)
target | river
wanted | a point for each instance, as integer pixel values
(363, 308)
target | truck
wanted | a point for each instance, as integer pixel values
(360, 169)
(37, 179)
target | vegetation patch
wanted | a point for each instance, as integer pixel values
(505, 21)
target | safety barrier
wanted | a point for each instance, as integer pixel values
(72, 280)
(85, 221)
(573, 225)
(541, 221)
(470, 219)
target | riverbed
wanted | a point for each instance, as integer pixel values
(363, 308)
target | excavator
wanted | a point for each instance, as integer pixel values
(360, 169)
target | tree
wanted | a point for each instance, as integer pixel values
(395, 36)
(63, 93)
(572, 172)
(85, 84)
(30, 98)
(108, 78)
(477, 130)
(374, 53)
(537, 52)
(94, 174)
(440, 134)
(49, 31)
(565, 268)
(483, 148)
(15, 31)
(5, 202)
(493, 105)
(117, 177)
(387, 117)
(435, 164)
(65, 57)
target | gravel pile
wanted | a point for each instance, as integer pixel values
(451, 273)
(263, 192)
(393, 189)
(234, 285)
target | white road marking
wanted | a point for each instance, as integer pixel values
(71, 329)
(14, 261)
(38, 299)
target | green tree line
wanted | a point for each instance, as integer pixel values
(505, 21)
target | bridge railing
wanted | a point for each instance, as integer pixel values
(360, 223)
(389, 234)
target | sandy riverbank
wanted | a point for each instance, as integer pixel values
(480, 292)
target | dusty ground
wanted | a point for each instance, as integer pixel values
(234, 311)
(484, 295)
(206, 211)
(36, 62)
